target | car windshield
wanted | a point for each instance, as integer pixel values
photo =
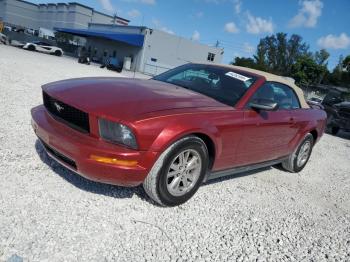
(220, 83)
(41, 43)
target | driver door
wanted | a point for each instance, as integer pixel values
(266, 134)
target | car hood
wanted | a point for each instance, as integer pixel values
(125, 98)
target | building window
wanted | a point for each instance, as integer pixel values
(153, 59)
(211, 57)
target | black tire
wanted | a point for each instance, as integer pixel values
(155, 183)
(291, 164)
(334, 130)
(31, 48)
(57, 53)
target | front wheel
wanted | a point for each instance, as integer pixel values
(178, 172)
(31, 48)
(58, 53)
(298, 159)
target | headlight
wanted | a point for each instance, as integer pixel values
(117, 133)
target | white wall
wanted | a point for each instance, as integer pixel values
(170, 50)
(2, 10)
(98, 17)
(20, 13)
(69, 15)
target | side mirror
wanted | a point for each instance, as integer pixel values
(266, 105)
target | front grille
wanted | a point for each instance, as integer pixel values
(59, 156)
(67, 114)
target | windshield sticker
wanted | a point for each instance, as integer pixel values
(238, 76)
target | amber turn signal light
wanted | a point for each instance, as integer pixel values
(113, 161)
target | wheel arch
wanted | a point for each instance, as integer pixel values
(31, 47)
(314, 134)
(210, 138)
(210, 147)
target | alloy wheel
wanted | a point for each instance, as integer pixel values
(304, 153)
(184, 172)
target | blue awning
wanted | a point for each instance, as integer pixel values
(131, 39)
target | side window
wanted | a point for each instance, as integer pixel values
(283, 95)
(264, 93)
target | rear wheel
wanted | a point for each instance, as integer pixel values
(178, 172)
(298, 159)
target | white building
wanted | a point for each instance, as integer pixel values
(70, 15)
(152, 51)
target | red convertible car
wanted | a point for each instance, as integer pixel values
(177, 130)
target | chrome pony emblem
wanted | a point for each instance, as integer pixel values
(58, 106)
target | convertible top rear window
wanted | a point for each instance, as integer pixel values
(220, 83)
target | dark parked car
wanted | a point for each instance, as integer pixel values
(315, 100)
(315, 103)
(337, 106)
(173, 132)
(114, 64)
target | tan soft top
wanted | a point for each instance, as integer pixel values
(275, 78)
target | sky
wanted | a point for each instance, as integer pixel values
(238, 25)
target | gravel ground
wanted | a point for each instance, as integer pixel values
(48, 213)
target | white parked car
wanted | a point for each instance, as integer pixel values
(8, 28)
(44, 48)
(3, 39)
(29, 31)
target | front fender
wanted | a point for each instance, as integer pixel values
(171, 133)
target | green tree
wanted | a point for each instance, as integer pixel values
(346, 64)
(245, 62)
(340, 75)
(306, 71)
(296, 48)
(277, 53)
(321, 57)
(281, 52)
(285, 56)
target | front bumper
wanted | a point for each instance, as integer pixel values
(74, 149)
